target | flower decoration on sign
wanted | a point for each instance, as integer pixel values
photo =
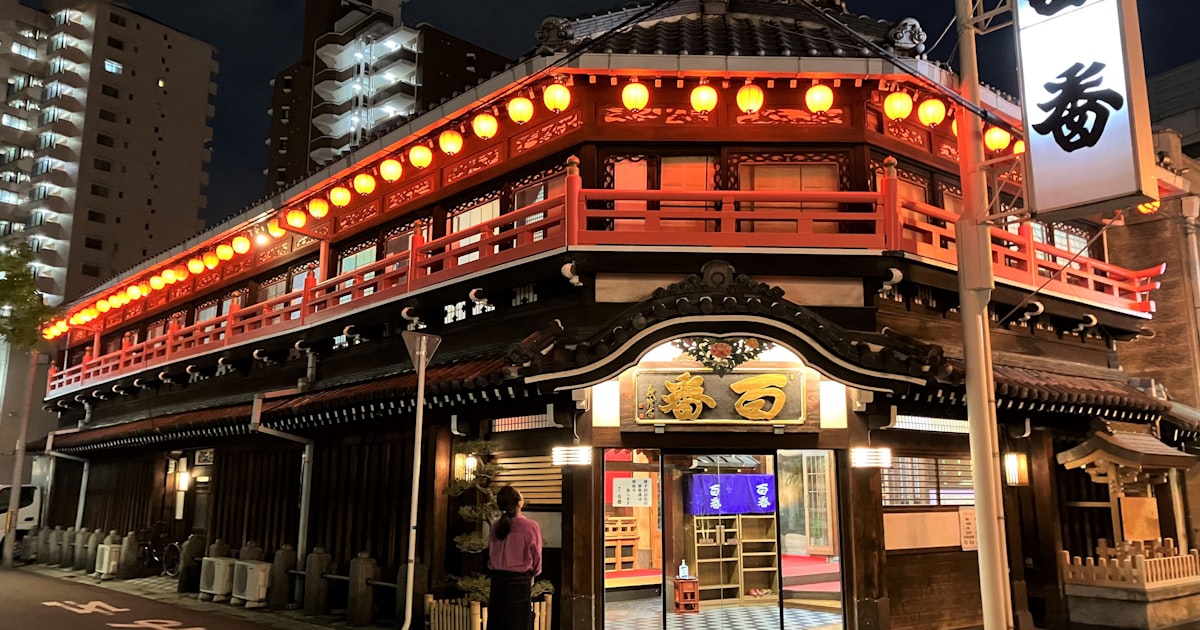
(722, 354)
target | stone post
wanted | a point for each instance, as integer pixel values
(66, 555)
(190, 552)
(93, 548)
(220, 549)
(360, 603)
(56, 540)
(280, 591)
(252, 551)
(316, 591)
(128, 567)
(30, 544)
(44, 545)
(81, 542)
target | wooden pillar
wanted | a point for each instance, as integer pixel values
(864, 557)
(1048, 526)
(1014, 521)
(582, 575)
(437, 504)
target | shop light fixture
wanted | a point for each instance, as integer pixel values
(819, 99)
(484, 125)
(870, 457)
(750, 98)
(635, 96)
(557, 97)
(898, 106)
(1016, 469)
(572, 455)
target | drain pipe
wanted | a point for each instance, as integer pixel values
(306, 459)
(83, 482)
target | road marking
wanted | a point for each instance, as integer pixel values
(154, 624)
(88, 608)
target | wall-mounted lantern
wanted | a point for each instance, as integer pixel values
(870, 457)
(1016, 469)
(572, 455)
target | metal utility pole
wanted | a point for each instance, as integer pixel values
(975, 284)
(18, 476)
(421, 348)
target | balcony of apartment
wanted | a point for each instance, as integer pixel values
(328, 147)
(64, 126)
(68, 74)
(327, 81)
(72, 27)
(338, 49)
(400, 96)
(72, 50)
(401, 62)
(67, 100)
(57, 176)
(18, 137)
(61, 151)
(584, 222)
(48, 229)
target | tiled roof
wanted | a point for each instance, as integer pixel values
(778, 28)
(1032, 385)
(398, 390)
(1128, 445)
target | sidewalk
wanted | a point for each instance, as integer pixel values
(162, 589)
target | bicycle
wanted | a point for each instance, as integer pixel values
(158, 555)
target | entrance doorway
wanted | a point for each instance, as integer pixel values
(721, 541)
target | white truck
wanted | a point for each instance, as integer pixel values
(28, 512)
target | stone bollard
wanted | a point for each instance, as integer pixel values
(44, 545)
(129, 566)
(81, 542)
(67, 559)
(29, 545)
(190, 552)
(219, 549)
(420, 578)
(360, 604)
(316, 590)
(252, 551)
(280, 591)
(112, 538)
(93, 547)
(56, 540)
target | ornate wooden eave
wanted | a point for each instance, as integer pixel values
(720, 302)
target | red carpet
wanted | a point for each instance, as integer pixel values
(608, 575)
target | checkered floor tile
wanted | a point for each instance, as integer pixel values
(647, 615)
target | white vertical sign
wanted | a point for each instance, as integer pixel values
(1083, 98)
(631, 492)
(968, 531)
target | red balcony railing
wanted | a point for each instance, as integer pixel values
(867, 221)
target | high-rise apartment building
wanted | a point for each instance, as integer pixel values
(361, 68)
(104, 134)
(103, 138)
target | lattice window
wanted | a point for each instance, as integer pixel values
(928, 482)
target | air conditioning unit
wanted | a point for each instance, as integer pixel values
(108, 559)
(216, 578)
(250, 579)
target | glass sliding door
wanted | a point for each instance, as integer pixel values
(810, 566)
(633, 540)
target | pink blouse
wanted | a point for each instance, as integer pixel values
(520, 551)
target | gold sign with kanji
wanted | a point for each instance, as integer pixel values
(769, 398)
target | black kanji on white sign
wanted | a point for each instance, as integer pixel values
(1050, 7)
(1079, 110)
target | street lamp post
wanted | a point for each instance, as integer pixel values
(421, 347)
(975, 284)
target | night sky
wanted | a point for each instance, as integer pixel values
(257, 38)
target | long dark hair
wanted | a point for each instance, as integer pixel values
(508, 499)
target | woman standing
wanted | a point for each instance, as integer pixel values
(514, 559)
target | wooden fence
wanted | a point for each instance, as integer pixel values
(460, 614)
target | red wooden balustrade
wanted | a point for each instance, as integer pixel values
(867, 221)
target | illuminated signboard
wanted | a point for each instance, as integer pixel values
(1087, 121)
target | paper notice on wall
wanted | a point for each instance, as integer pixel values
(968, 535)
(631, 492)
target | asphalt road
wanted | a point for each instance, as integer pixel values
(34, 602)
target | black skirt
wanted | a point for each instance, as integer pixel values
(508, 602)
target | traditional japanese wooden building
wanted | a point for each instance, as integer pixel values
(709, 244)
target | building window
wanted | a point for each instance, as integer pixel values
(110, 116)
(90, 270)
(469, 218)
(109, 90)
(113, 42)
(8, 196)
(16, 122)
(928, 482)
(95, 216)
(25, 51)
(102, 165)
(217, 308)
(117, 19)
(285, 111)
(113, 67)
(99, 191)
(788, 177)
(92, 242)
(105, 140)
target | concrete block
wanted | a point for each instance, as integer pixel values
(190, 553)
(93, 546)
(252, 551)
(56, 540)
(128, 567)
(81, 548)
